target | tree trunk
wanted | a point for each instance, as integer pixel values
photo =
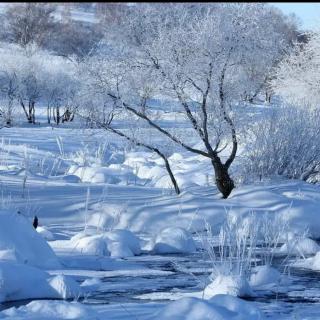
(268, 97)
(223, 181)
(49, 114)
(173, 180)
(31, 113)
(58, 115)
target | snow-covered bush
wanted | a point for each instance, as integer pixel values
(243, 246)
(232, 264)
(286, 143)
(273, 231)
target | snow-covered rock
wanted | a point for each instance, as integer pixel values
(173, 240)
(222, 307)
(301, 247)
(233, 285)
(47, 234)
(19, 281)
(50, 310)
(264, 275)
(24, 243)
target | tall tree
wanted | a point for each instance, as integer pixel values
(29, 22)
(195, 58)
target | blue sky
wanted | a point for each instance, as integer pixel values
(308, 12)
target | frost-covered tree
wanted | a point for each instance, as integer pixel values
(195, 59)
(59, 89)
(285, 143)
(73, 38)
(8, 91)
(297, 79)
(284, 34)
(29, 71)
(27, 23)
(94, 107)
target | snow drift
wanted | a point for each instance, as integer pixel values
(20, 242)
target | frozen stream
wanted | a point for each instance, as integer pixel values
(190, 274)
(187, 274)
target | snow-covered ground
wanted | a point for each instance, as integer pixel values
(114, 240)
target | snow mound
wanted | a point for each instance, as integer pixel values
(65, 287)
(99, 174)
(173, 240)
(222, 307)
(126, 239)
(301, 247)
(264, 275)
(244, 310)
(117, 244)
(26, 245)
(48, 235)
(51, 310)
(18, 282)
(232, 285)
(312, 263)
(92, 245)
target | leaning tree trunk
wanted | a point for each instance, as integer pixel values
(172, 178)
(223, 180)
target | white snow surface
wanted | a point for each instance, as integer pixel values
(131, 192)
